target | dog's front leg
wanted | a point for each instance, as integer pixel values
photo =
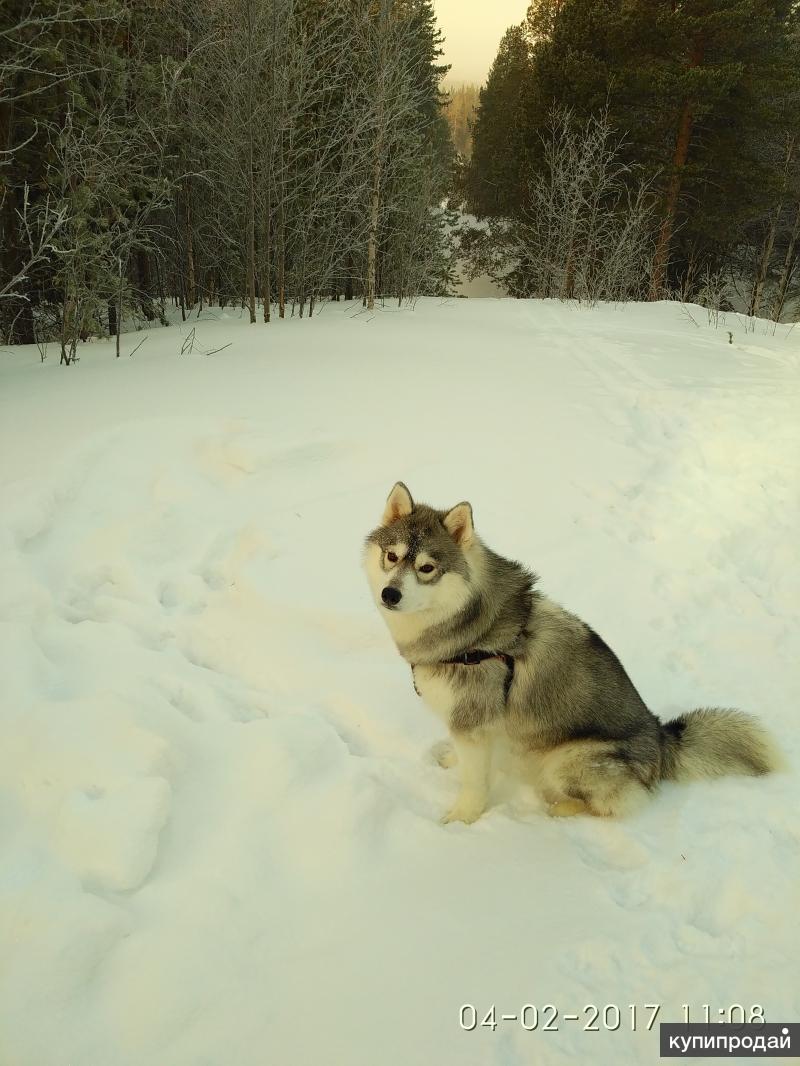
(473, 751)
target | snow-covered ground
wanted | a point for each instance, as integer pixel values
(219, 835)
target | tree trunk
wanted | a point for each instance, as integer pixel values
(266, 285)
(769, 240)
(281, 264)
(374, 214)
(8, 225)
(266, 288)
(377, 163)
(159, 280)
(17, 317)
(679, 158)
(190, 277)
(788, 265)
(763, 264)
(143, 280)
(251, 191)
(251, 270)
(66, 316)
(568, 285)
(350, 267)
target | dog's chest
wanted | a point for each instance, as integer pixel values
(436, 689)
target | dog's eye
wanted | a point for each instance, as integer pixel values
(392, 557)
(426, 569)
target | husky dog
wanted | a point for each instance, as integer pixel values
(493, 656)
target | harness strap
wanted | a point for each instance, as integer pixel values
(474, 658)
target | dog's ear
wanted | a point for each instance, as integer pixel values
(398, 505)
(458, 523)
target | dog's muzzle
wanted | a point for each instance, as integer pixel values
(390, 596)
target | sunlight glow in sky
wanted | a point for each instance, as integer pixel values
(472, 31)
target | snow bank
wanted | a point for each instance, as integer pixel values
(219, 837)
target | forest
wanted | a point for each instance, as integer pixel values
(272, 153)
(460, 105)
(625, 149)
(277, 154)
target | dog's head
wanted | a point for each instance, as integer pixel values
(420, 560)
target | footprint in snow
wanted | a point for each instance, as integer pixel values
(110, 837)
(187, 593)
(607, 846)
(202, 703)
(229, 552)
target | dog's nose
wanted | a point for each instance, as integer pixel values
(390, 596)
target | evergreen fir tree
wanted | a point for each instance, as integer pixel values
(694, 85)
(494, 182)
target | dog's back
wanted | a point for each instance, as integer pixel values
(594, 744)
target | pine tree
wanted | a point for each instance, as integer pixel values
(693, 84)
(494, 182)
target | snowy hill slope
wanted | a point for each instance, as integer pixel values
(219, 837)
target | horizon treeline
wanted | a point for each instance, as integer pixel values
(271, 153)
(461, 103)
(701, 101)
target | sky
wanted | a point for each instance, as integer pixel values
(472, 30)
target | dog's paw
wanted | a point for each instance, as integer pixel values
(463, 812)
(567, 808)
(444, 754)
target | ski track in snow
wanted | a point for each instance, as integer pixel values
(219, 837)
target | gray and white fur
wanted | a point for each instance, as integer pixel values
(578, 727)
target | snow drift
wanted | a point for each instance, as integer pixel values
(219, 837)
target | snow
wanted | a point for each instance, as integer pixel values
(219, 836)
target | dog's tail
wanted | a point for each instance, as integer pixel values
(711, 742)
